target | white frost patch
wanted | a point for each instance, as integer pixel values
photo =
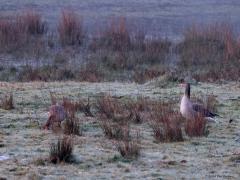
(2, 158)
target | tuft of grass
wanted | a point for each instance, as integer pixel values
(129, 148)
(71, 106)
(114, 130)
(108, 106)
(70, 29)
(33, 23)
(208, 52)
(72, 126)
(7, 102)
(196, 127)
(61, 151)
(165, 123)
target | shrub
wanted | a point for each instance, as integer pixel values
(71, 106)
(208, 52)
(61, 151)
(72, 126)
(116, 36)
(16, 32)
(108, 106)
(165, 123)
(7, 102)
(33, 23)
(114, 130)
(196, 127)
(129, 148)
(70, 29)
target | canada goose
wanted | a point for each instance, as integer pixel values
(191, 110)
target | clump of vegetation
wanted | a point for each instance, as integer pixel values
(114, 130)
(33, 23)
(72, 126)
(129, 148)
(209, 52)
(62, 150)
(79, 105)
(196, 127)
(17, 33)
(6, 102)
(70, 29)
(165, 123)
(109, 106)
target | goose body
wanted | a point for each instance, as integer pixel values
(190, 110)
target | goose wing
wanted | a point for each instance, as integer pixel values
(201, 109)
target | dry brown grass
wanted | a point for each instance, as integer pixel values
(114, 130)
(72, 126)
(129, 148)
(196, 127)
(62, 150)
(115, 37)
(210, 51)
(16, 33)
(70, 28)
(109, 106)
(165, 123)
(6, 102)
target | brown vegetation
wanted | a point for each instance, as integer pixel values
(129, 148)
(165, 123)
(70, 29)
(6, 102)
(196, 127)
(61, 151)
(209, 52)
(72, 126)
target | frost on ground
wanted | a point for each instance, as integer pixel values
(26, 145)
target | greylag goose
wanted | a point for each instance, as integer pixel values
(190, 110)
(56, 114)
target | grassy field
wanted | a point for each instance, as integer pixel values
(116, 65)
(27, 146)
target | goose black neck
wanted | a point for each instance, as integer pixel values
(187, 90)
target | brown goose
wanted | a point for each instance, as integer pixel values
(190, 110)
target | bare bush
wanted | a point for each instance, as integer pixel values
(129, 148)
(165, 123)
(114, 130)
(61, 151)
(209, 52)
(72, 126)
(196, 126)
(7, 102)
(70, 29)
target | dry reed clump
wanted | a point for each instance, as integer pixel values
(165, 123)
(33, 23)
(72, 126)
(109, 106)
(62, 150)
(114, 130)
(129, 148)
(138, 109)
(116, 36)
(70, 29)
(113, 118)
(209, 52)
(79, 105)
(16, 32)
(196, 127)
(90, 72)
(6, 102)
